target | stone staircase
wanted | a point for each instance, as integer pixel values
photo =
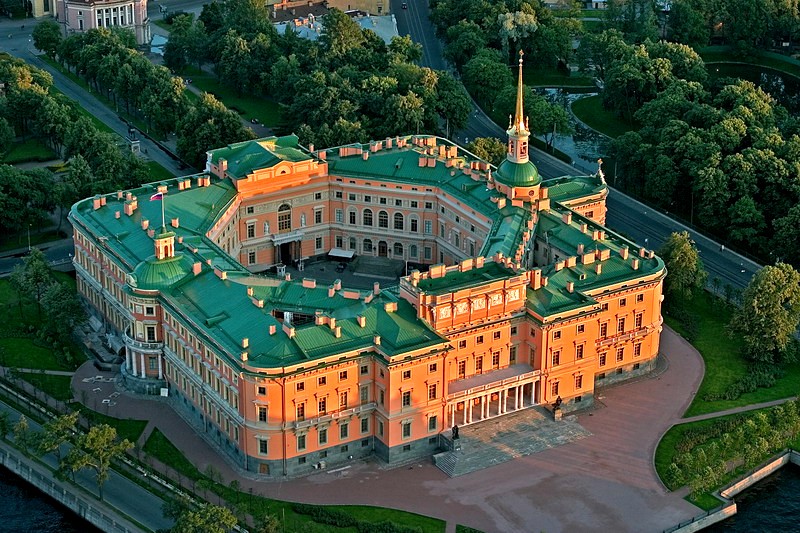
(504, 438)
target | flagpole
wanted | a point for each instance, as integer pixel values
(163, 220)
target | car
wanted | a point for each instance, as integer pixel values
(254, 121)
(404, 5)
(340, 267)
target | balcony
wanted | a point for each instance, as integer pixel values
(627, 336)
(343, 413)
(147, 347)
(498, 379)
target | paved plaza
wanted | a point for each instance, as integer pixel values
(604, 481)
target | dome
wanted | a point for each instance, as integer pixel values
(517, 174)
(154, 274)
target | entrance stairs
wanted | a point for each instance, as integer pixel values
(503, 438)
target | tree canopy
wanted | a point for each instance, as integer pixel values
(685, 273)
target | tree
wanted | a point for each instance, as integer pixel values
(47, 37)
(268, 523)
(786, 241)
(452, 103)
(515, 27)
(769, 314)
(489, 149)
(23, 435)
(208, 124)
(340, 34)
(96, 450)
(207, 519)
(55, 433)
(485, 75)
(685, 269)
(6, 137)
(5, 425)
(63, 311)
(36, 276)
(688, 23)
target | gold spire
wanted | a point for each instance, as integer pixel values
(519, 121)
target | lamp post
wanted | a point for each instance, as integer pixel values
(29, 237)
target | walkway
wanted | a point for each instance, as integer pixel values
(604, 482)
(733, 411)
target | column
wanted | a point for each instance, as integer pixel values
(533, 392)
(133, 363)
(505, 400)
(127, 360)
(483, 404)
(160, 367)
(468, 404)
(452, 415)
(142, 362)
(465, 412)
(520, 397)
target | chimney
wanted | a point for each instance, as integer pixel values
(332, 322)
(244, 356)
(567, 218)
(151, 232)
(175, 223)
(272, 329)
(376, 340)
(584, 227)
(119, 195)
(580, 249)
(117, 214)
(623, 252)
(245, 342)
(376, 288)
(197, 267)
(598, 268)
(102, 200)
(309, 283)
(365, 155)
(310, 147)
(362, 321)
(337, 285)
(536, 279)
(331, 291)
(250, 291)
(642, 252)
(635, 264)
(337, 331)
(145, 223)
(570, 286)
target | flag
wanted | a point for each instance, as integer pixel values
(157, 196)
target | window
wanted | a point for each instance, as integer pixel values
(363, 393)
(556, 357)
(343, 375)
(301, 411)
(556, 335)
(406, 430)
(433, 423)
(284, 217)
(398, 249)
(352, 243)
(399, 223)
(636, 366)
(496, 335)
(412, 251)
(317, 196)
(640, 298)
(262, 414)
(432, 391)
(301, 442)
(441, 229)
(496, 360)
(364, 425)
(317, 216)
(380, 428)
(338, 195)
(432, 368)
(620, 325)
(251, 257)
(344, 430)
(637, 320)
(406, 398)
(637, 349)
(579, 351)
(428, 251)
(301, 386)
(513, 330)
(604, 307)
(322, 406)
(578, 382)
(554, 389)
(406, 374)
(581, 328)
(382, 201)
(322, 380)
(462, 369)
(367, 198)
(428, 227)
(367, 217)
(262, 390)
(339, 216)
(381, 396)
(479, 339)
(263, 447)
(251, 231)
(323, 436)
(149, 310)
(602, 359)
(351, 217)
(367, 246)
(512, 355)
(339, 241)
(428, 205)
(351, 197)
(398, 202)
(462, 344)
(364, 369)
(604, 330)
(601, 375)
(414, 204)
(383, 219)
(343, 400)
(623, 302)
(620, 354)
(479, 364)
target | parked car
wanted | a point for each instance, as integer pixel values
(404, 5)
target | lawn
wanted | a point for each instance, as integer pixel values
(266, 111)
(724, 364)
(162, 449)
(126, 429)
(56, 386)
(20, 240)
(555, 78)
(20, 352)
(29, 150)
(591, 112)
(762, 60)
(157, 172)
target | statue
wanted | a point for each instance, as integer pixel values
(455, 432)
(558, 403)
(303, 221)
(600, 173)
(266, 228)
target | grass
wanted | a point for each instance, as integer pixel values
(161, 23)
(29, 150)
(380, 514)
(126, 428)
(761, 60)
(162, 449)
(56, 386)
(723, 361)
(20, 240)
(591, 112)
(157, 172)
(267, 112)
(20, 352)
(555, 78)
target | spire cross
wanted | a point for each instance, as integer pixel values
(518, 119)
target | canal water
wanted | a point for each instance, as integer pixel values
(24, 509)
(771, 505)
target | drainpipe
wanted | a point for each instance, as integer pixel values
(283, 418)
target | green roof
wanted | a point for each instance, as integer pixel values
(245, 157)
(568, 188)
(155, 274)
(459, 280)
(517, 174)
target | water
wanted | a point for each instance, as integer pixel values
(771, 505)
(24, 508)
(783, 87)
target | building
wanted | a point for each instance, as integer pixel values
(83, 15)
(527, 298)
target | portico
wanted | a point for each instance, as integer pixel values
(492, 394)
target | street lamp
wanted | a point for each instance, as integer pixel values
(29, 237)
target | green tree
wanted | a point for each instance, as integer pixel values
(24, 437)
(769, 314)
(340, 34)
(489, 149)
(56, 432)
(207, 519)
(786, 241)
(6, 137)
(689, 23)
(453, 104)
(685, 273)
(96, 449)
(515, 28)
(485, 75)
(464, 40)
(36, 277)
(208, 124)
(63, 311)
(47, 37)
(5, 425)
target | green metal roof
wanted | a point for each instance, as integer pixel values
(245, 157)
(568, 188)
(517, 174)
(156, 274)
(456, 281)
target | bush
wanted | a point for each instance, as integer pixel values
(334, 517)
(759, 376)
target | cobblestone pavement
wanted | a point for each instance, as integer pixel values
(603, 482)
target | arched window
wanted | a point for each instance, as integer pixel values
(367, 217)
(367, 246)
(383, 219)
(285, 217)
(398, 250)
(414, 224)
(412, 250)
(398, 221)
